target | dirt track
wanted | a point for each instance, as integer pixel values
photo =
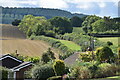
(13, 39)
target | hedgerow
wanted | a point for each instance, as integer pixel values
(56, 44)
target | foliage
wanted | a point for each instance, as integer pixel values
(103, 25)
(86, 57)
(9, 14)
(16, 22)
(61, 25)
(47, 56)
(88, 21)
(104, 54)
(32, 59)
(42, 72)
(20, 57)
(55, 78)
(26, 58)
(4, 73)
(34, 25)
(59, 67)
(80, 73)
(106, 69)
(76, 21)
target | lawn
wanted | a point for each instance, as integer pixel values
(71, 45)
(114, 40)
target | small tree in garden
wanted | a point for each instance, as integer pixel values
(51, 54)
(59, 67)
(104, 54)
(47, 56)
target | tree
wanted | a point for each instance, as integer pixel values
(104, 54)
(61, 25)
(76, 21)
(16, 22)
(34, 25)
(89, 20)
(47, 56)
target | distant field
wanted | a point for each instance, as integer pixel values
(71, 45)
(13, 39)
(114, 40)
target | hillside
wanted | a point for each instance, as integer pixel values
(9, 14)
(13, 39)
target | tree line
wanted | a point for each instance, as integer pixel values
(9, 12)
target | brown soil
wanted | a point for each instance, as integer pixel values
(13, 39)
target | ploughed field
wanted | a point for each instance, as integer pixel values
(13, 39)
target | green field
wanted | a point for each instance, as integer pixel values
(114, 40)
(71, 45)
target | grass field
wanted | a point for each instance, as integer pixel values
(13, 39)
(114, 40)
(71, 45)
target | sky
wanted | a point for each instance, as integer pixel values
(89, 7)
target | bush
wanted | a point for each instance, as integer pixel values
(104, 54)
(47, 56)
(59, 67)
(80, 73)
(42, 72)
(32, 59)
(55, 78)
(4, 73)
(106, 70)
(86, 57)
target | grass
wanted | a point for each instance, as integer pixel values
(117, 77)
(71, 45)
(108, 78)
(114, 40)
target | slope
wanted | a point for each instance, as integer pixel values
(13, 39)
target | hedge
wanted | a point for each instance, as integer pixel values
(56, 44)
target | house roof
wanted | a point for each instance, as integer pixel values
(4, 56)
(16, 68)
(23, 65)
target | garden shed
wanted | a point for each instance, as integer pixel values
(17, 66)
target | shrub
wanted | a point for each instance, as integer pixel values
(32, 59)
(59, 67)
(45, 58)
(42, 72)
(80, 73)
(104, 54)
(106, 69)
(55, 78)
(4, 73)
(86, 57)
